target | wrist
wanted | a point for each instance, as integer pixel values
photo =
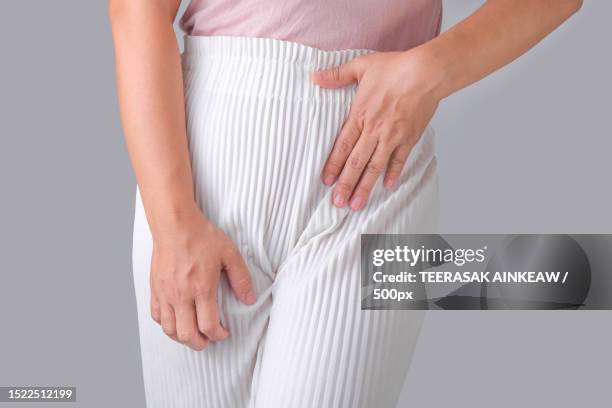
(171, 220)
(433, 71)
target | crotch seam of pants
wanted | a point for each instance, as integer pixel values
(324, 207)
(326, 218)
(317, 227)
(262, 261)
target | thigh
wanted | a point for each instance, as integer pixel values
(217, 377)
(321, 349)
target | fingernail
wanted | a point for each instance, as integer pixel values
(250, 298)
(328, 180)
(356, 203)
(338, 200)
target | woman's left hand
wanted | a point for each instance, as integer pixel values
(395, 101)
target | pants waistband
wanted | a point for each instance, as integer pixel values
(197, 47)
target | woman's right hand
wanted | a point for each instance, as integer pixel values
(185, 271)
(188, 255)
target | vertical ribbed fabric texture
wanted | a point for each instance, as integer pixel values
(259, 133)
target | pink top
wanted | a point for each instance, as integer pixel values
(381, 25)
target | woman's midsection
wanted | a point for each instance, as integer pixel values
(260, 132)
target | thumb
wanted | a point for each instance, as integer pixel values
(336, 77)
(239, 278)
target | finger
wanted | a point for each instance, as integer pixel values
(155, 308)
(344, 144)
(207, 311)
(187, 327)
(351, 173)
(168, 321)
(396, 164)
(239, 277)
(155, 303)
(338, 76)
(371, 173)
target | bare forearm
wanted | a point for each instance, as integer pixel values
(151, 99)
(495, 35)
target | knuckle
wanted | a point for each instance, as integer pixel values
(183, 292)
(233, 252)
(206, 292)
(395, 162)
(160, 282)
(354, 127)
(395, 138)
(185, 336)
(360, 117)
(344, 147)
(358, 62)
(393, 175)
(207, 326)
(333, 166)
(169, 294)
(189, 267)
(377, 126)
(170, 331)
(374, 168)
(335, 73)
(183, 297)
(386, 144)
(355, 162)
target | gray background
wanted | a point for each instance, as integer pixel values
(525, 150)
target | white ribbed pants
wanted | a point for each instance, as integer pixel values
(259, 134)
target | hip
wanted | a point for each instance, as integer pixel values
(259, 134)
